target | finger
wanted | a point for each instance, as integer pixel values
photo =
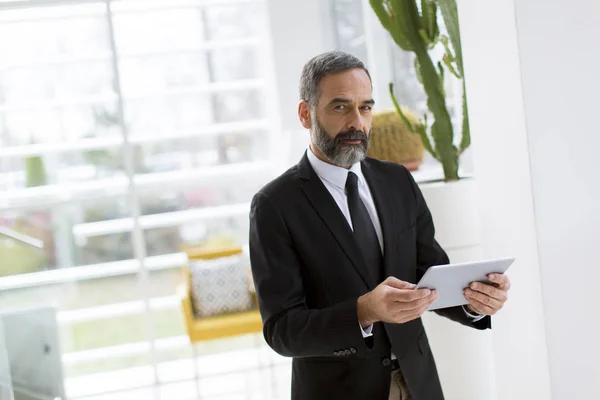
(415, 314)
(481, 308)
(405, 317)
(407, 296)
(417, 304)
(398, 284)
(483, 299)
(498, 294)
(501, 280)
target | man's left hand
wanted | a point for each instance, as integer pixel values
(487, 299)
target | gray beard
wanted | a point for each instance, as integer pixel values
(335, 149)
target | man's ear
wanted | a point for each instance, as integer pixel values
(304, 114)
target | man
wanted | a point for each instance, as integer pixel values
(336, 245)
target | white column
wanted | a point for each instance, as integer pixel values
(299, 30)
(502, 166)
(560, 61)
(464, 356)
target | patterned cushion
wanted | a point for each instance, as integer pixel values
(220, 286)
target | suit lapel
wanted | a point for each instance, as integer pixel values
(330, 213)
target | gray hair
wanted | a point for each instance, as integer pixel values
(327, 63)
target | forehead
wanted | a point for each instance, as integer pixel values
(353, 84)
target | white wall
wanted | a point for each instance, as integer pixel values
(560, 62)
(501, 160)
(532, 77)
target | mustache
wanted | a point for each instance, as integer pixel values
(352, 135)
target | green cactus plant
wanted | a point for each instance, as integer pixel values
(415, 29)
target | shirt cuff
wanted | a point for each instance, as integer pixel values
(474, 317)
(366, 332)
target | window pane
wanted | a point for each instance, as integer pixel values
(223, 195)
(155, 30)
(141, 75)
(104, 248)
(81, 330)
(23, 127)
(233, 64)
(53, 125)
(79, 373)
(92, 293)
(174, 155)
(61, 32)
(56, 169)
(349, 20)
(407, 88)
(230, 225)
(48, 86)
(190, 198)
(200, 151)
(78, 332)
(234, 21)
(47, 238)
(224, 231)
(239, 106)
(161, 116)
(350, 27)
(139, 30)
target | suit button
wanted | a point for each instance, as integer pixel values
(353, 350)
(347, 352)
(386, 362)
(336, 353)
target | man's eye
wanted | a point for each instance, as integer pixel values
(340, 107)
(367, 108)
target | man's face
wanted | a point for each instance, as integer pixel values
(340, 124)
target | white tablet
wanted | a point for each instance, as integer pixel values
(450, 280)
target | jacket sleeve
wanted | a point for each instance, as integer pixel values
(430, 253)
(289, 326)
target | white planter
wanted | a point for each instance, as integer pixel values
(464, 356)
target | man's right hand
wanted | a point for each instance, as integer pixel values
(394, 301)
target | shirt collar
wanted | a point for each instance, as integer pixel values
(332, 173)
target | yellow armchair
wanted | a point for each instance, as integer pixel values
(220, 326)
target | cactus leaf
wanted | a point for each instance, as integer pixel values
(429, 17)
(425, 38)
(387, 16)
(465, 140)
(442, 77)
(418, 71)
(448, 61)
(426, 142)
(399, 110)
(450, 14)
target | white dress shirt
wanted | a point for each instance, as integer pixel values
(334, 178)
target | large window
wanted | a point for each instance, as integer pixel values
(128, 129)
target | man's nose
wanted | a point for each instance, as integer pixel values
(355, 121)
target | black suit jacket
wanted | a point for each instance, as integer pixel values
(309, 273)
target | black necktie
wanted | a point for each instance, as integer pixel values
(364, 231)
